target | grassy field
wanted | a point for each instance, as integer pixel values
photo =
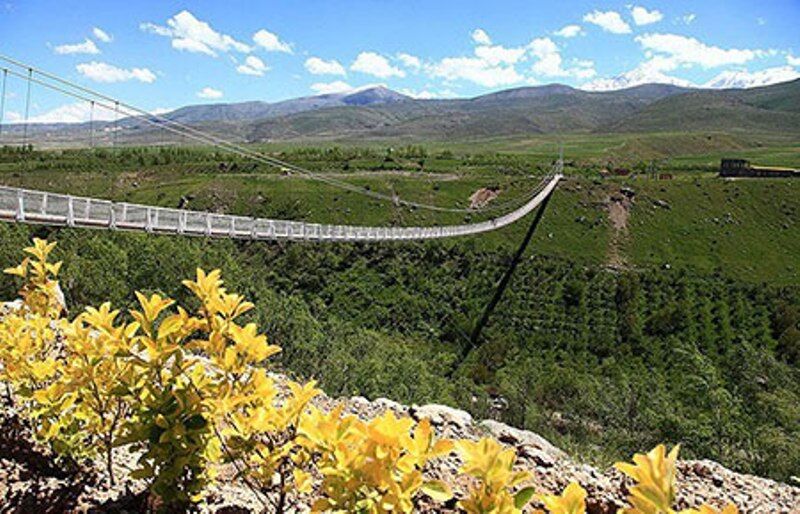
(745, 229)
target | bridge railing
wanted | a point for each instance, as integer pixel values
(40, 207)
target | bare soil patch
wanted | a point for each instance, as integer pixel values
(618, 207)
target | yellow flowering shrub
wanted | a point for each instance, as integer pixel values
(371, 467)
(655, 489)
(492, 466)
(189, 388)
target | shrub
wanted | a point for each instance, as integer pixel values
(190, 388)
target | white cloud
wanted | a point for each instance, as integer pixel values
(87, 47)
(496, 65)
(271, 42)
(550, 64)
(209, 92)
(475, 69)
(252, 66)
(682, 50)
(375, 64)
(410, 61)
(102, 35)
(318, 66)
(193, 35)
(568, 31)
(610, 21)
(792, 60)
(328, 88)
(744, 78)
(688, 19)
(481, 37)
(495, 55)
(104, 72)
(641, 16)
(670, 52)
(77, 112)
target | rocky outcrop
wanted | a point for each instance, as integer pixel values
(30, 478)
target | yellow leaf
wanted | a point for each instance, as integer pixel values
(437, 490)
(571, 501)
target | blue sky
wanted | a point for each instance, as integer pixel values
(162, 55)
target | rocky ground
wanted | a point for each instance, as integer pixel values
(33, 480)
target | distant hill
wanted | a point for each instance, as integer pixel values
(774, 108)
(541, 109)
(249, 111)
(550, 109)
(380, 113)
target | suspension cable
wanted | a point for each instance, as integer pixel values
(27, 109)
(3, 101)
(91, 124)
(116, 123)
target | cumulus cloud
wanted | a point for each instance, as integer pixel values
(744, 78)
(252, 66)
(377, 65)
(318, 66)
(480, 37)
(87, 47)
(271, 42)
(568, 31)
(328, 88)
(104, 72)
(410, 61)
(669, 52)
(102, 35)
(610, 21)
(193, 35)
(78, 112)
(477, 70)
(792, 60)
(496, 65)
(641, 16)
(497, 54)
(549, 63)
(678, 50)
(210, 93)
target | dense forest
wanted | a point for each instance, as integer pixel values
(600, 361)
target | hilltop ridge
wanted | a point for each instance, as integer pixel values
(379, 113)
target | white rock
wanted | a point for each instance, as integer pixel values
(387, 404)
(441, 414)
(517, 437)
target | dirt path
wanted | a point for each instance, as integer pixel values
(618, 206)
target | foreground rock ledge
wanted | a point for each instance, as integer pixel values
(31, 481)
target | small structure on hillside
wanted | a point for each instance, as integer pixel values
(743, 168)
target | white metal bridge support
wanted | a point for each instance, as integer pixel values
(45, 208)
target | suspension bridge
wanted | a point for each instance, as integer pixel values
(19, 205)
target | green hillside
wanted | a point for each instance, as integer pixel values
(383, 116)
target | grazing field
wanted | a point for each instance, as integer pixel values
(644, 310)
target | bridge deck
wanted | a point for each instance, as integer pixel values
(40, 207)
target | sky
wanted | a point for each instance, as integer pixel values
(166, 54)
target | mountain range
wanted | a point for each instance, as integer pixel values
(380, 113)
